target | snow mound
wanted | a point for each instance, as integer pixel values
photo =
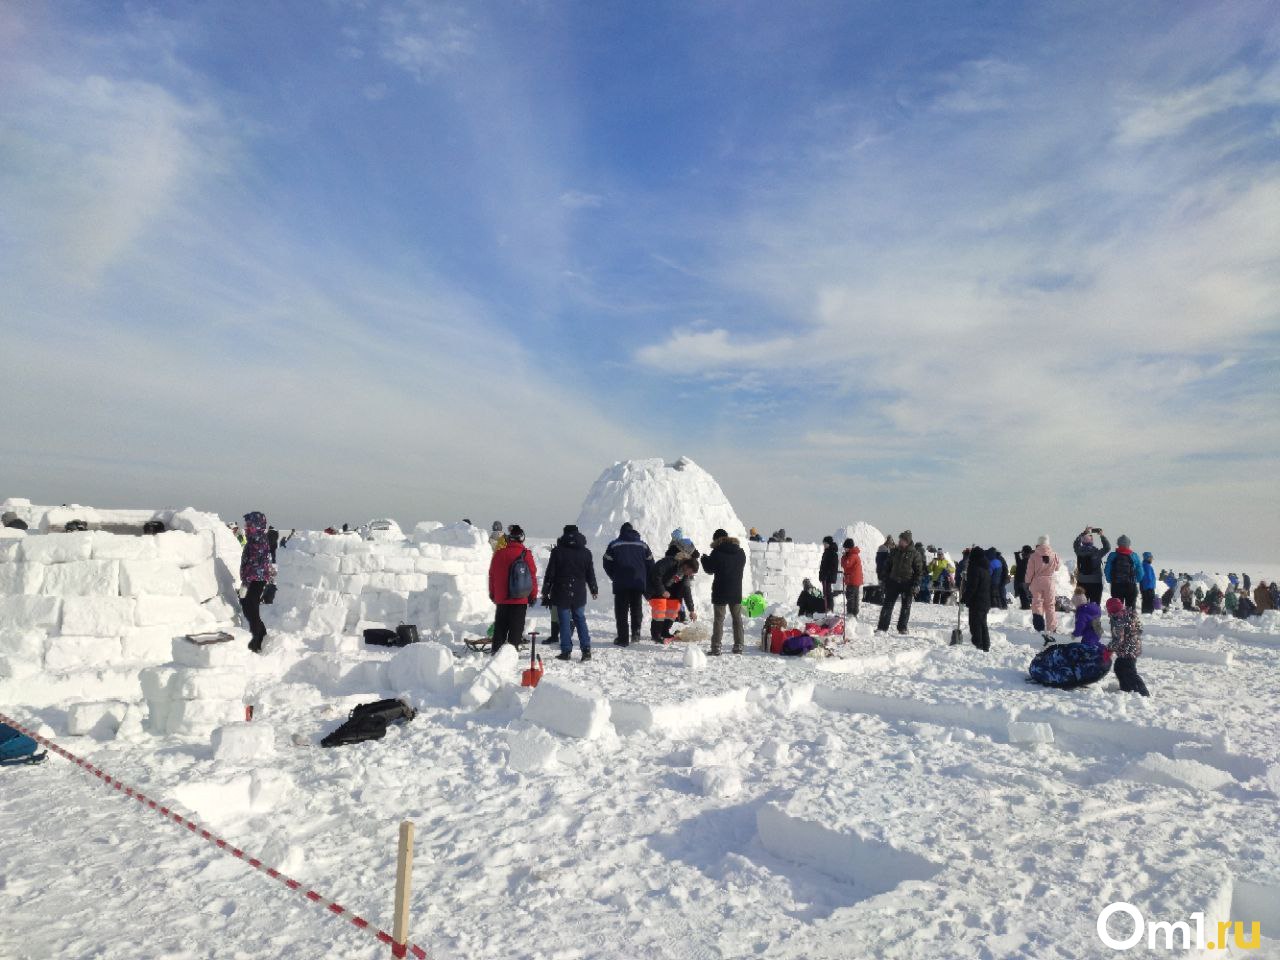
(718, 781)
(868, 539)
(695, 659)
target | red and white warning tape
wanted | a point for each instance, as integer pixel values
(397, 949)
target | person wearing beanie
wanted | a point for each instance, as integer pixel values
(1020, 576)
(976, 595)
(497, 539)
(628, 563)
(903, 571)
(256, 572)
(508, 623)
(1042, 570)
(851, 566)
(1123, 571)
(828, 569)
(726, 563)
(1126, 644)
(1147, 584)
(942, 574)
(13, 521)
(569, 576)
(1089, 558)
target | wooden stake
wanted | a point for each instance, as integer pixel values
(404, 876)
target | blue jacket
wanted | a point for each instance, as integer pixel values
(1148, 581)
(1132, 558)
(628, 562)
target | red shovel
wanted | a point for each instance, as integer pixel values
(531, 676)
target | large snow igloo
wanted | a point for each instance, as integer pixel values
(656, 498)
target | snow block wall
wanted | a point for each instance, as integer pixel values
(778, 570)
(334, 583)
(81, 613)
(657, 497)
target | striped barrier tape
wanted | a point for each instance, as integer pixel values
(397, 949)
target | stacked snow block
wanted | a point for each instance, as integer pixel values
(778, 570)
(81, 612)
(202, 688)
(332, 583)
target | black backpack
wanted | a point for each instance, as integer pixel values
(1122, 570)
(519, 578)
(369, 721)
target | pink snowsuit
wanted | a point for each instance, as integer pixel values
(1039, 579)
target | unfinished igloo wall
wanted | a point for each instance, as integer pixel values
(657, 497)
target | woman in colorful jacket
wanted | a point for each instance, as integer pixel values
(256, 572)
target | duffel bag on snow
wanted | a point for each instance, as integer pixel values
(1068, 665)
(16, 748)
(406, 634)
(369, 721)
(379, 637)
(797, 646)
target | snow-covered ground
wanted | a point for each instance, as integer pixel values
(899, 800)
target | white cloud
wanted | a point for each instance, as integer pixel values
(578, 200)
(705, 351)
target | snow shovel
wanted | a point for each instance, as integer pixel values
(957, 635)
(531, 676)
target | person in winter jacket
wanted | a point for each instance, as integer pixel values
(628, 562)
(1188, 602)
(923, 593)
(12, 521)
(668, 584)
(1020, 577)
(975, 594)
(1089, 559)
(1126, 644)
(1262, 597)
(882, 560)
(902, 573)
(828, 571)
(755, 536)
(851, 566)
(999, 578)
(273, 541)
(1041, 570)
(1213, 601)
(1123, 571)
(569, 577)
(942, 575)
(1088, 625)
(1244, 605)
(497, 539)
(1147, 585)
(810, 601)
(508, 624)
(725, 563)
(1231, 600)
(255, 573)
(682, 548)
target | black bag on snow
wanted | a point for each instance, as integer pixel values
(269, 593)
(152, 527)
(369, 721)
(380, 637)
(406, 634)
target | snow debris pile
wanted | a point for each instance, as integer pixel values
(335, 583)
(81, 612)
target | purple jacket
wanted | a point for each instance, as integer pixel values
(255, 559)
(1088, 620)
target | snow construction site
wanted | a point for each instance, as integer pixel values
(882, 796)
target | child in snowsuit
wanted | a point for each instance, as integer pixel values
(1042, 566)
(1088, 628)
(1126, 644)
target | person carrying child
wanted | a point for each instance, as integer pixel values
(1126, 644)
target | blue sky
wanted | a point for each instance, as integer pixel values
(984, 270)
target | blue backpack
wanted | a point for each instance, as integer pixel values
(520, 578)
(1068, 665)
(16, 748)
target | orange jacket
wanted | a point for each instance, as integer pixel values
(851, 564)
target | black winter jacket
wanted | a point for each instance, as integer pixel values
(726, 562)
(667, 578)
(570, 573)
(830, 564)
(628, 562)
(977, 581)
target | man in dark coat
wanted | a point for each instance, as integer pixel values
(725, 563)
(666, 588)
(976, 595)
(828, 570)
(1020, 577)
(1089, 557)
(904, 570)
(570, 574)
(628, 562)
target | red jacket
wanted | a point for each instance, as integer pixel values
(500, 566)
(851, 564)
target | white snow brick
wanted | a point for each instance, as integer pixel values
(398, 564)
(29, 613)
(21, 578)
(229, 654)
(83, 578)
(153, 611)
(568, 709)
(57, 547)
(200, 582)
(197, 716)
(10, 547)
(65, 653)
(161, 578)
(500, 666)
(1192, 774)
(192, 683)
(419, 666)
(1025, 731)
(102, 718)
(184, 549)
(243, 742)
(532, 750)
(146, 644)
(157, 683)
(98, 616)
(718, 781)
(409, 582)
(694, 659)
(330, 618)
(383, 606)
(219, 610)
(110, 546)
(21, 653)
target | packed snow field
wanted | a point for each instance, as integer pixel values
(898, 797)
